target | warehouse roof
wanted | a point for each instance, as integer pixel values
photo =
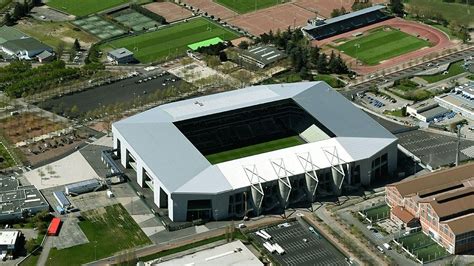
(10, 33)
(164, 148)
(27, 44)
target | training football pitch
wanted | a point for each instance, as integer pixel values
(381, 44)
(254, 149)
(84, 7)
(244, 6)
(171, 41)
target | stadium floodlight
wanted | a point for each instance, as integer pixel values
(310, 171)
(256, 185)
(331, 155)
(283, 178)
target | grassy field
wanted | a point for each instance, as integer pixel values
(53, 33)
(84, 7)
(453, 70)
(451, 11)
(109, 230)
(254, 149)
(171, 41)
(245, 6)
(381, 45)
(378, 213)
(5, 159)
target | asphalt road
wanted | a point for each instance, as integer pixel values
(411, 71)
(118, 92)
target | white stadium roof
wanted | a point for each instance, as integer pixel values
(181, 168)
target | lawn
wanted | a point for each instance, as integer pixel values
(5, 159)
(109, 230)
(171, 41)
(380, 45)
(84, 7)
(332, 81)
(254, 149)
(245, 6)
(451, 11)
(397, 112)
(378, 213)
(53, 33)
(453, 70)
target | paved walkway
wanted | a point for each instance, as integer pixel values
(48, 244)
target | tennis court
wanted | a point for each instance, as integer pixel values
(99, 27)
(134, 20)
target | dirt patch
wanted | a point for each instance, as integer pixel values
(170, 11)
(212, 8)
(27, 126)
(323, 8)
(273, 18)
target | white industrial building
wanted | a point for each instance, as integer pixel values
(460, 101)
(167, 146)
(8, 242)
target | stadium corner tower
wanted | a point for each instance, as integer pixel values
(253, 150)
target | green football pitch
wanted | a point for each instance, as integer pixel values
(380, 45)
(84, 7)
(254, 149)
(244, 6)
(171, 41)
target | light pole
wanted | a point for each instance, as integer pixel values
(357, 46)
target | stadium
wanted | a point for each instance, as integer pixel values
(321, 29)
(252, 151)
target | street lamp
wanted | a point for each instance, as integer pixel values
(357, 46)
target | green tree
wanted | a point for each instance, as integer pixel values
(18, 11)
(322, 65)
(76, 46)
(30, 245)
(244, 45)
(8, 20)
(397, 7)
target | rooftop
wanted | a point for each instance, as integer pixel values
(346, 16)
(234, 253)
(462, 224)
(435, 181)
(120, 53)
(15, 198)
(25, 44)
(164, 148)
(264, 54)
(434, 112)
(8, 237)
(10, 33)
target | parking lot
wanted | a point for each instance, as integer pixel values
(433, 149)
(118, 92)
(314, 251)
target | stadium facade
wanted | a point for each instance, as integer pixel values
(168, 146)
(322, 29)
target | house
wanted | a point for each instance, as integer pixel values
(8, 243)
(25, 48)
(120, 56)
(45, 56)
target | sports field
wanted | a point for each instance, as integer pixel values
(381, 44)
(245, 6)
(378, 213)
(254, 149)
(423, 247)
(84, 7)
(171, 41)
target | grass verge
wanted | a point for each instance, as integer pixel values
(109, 230)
